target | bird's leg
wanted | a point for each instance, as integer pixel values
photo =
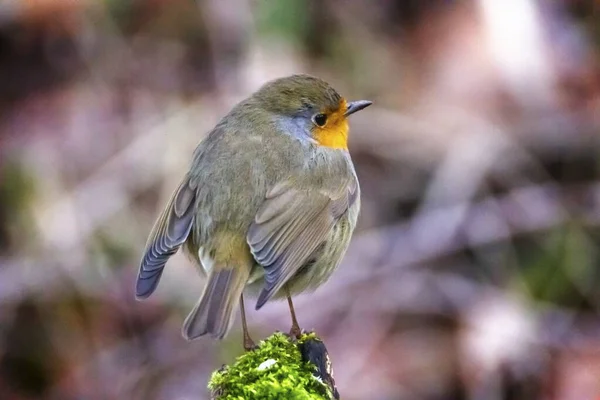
(248, 342)
(295, 331)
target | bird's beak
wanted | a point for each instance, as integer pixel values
(357, 105)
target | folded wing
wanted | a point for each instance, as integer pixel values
(288, 228)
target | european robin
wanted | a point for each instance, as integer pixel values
(269, 203)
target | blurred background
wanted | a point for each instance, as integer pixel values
(474, 272)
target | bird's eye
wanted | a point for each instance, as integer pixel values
(320, 119)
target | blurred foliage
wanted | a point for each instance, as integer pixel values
(288, 19)
(17, 193)
(111, 252)
(171, 20)
(31, 363)
(571, 254)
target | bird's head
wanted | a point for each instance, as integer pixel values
(309, 109)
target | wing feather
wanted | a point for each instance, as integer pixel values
(168, 234)
(289, 227)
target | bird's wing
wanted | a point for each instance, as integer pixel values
(168, 234)
(289, 227)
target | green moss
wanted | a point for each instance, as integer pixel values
(274, 370)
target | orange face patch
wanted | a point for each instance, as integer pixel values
(335, 132)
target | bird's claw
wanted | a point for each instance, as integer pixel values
(295, 332)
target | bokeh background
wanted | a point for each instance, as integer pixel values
(474, 272)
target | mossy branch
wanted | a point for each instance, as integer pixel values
(279, 368)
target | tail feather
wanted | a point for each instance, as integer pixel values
(213, 314)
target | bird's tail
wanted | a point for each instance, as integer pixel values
(213, 314)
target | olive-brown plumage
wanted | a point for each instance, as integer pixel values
(269, 203)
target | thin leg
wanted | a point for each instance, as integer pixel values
(248, 342)
(295, 331)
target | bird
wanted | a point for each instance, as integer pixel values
(267, 207)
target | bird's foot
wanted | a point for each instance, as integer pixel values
(295, 331)
(249, 344)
